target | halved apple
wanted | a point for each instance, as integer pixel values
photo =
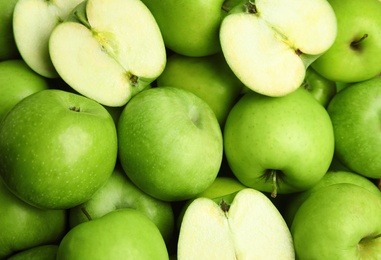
(243, 225)
(108, 50)
(33, 22)
(270, 43)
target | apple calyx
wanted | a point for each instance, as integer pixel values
(356, 43)
(75, 108)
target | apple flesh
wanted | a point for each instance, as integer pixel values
(243, 225)
(270, 44)
(124, 50)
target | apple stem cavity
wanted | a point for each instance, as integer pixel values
(250, 7)
(355, 44)
(83, 209)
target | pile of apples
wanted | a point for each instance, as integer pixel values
(157, 129)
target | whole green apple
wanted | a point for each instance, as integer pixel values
(279, 144)
(354, 112)
(44, 252)
(170, 143)
(57, 149)
(209, 77)
(121, 234)
(340, 221)
(17, 81)
(118, 193)
(356, 51)
(24, 226)
(191, 28)
(8, 48)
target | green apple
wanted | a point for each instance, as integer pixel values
(120, 234)
(244, 225)
(8, 48)
(44, 252)
(124, 50)
(191, 28)
(209, 77)
(24, 226)
(119, 192)
(279, 144)
(330, 178)
(354, 112)
(355, 54)
(57, 149)
(341, 221)
(33, 22)
(322, 89)
(269, 44)
(17, 81)
(170, 143)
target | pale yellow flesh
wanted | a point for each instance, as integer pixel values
(33, 22)
(252, 229)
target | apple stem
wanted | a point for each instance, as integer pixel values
(273, 176)
(82, 20)
(83, 209)
(355, 43)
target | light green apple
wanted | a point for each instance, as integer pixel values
(124, 50)
(8, 48)
(279, 144)
(57, 149)
(340, 221)
(269, 44)
(24, 226)
(209, 77)
(354, 112)
(191, 28)
(44, 252)
(355, 54)
(322, 89)
(330, 178)
(118, 193)
(17, 81)
(121, 234)
(33, 22)
(170, 143)
(242, 225)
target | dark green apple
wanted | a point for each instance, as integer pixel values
(44, 252)
(8, 48)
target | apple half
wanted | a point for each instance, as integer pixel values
(270, 43)
(242, 225)
(108, 50)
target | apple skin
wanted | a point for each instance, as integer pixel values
(8, 48)
(170, 143)
(279, 144)
(17, 81)
(121, 234)
(183, 33)
(340, 221)
(209, 77)
(44, 252)
(354, 112)
(330, 178)
(64, 152)
(343, 62)
(24, 226)
(119, 192)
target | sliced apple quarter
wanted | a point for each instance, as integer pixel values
(108, 50)
(243, 225)
(270, 43)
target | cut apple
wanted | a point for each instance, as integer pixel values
(270, 43)
(33, 22)
(243, 225)
(108, 50)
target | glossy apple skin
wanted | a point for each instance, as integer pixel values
(119, 192)
(346, 63)
(121, 234)
(340, 221)
(291, 136)
(45, 252)
(57, 149)
(170, 143)
(24, 226)
(354, 112)
(17, 81)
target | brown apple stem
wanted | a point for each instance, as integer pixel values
(273, 176)
(83, 209)
(355, 43)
